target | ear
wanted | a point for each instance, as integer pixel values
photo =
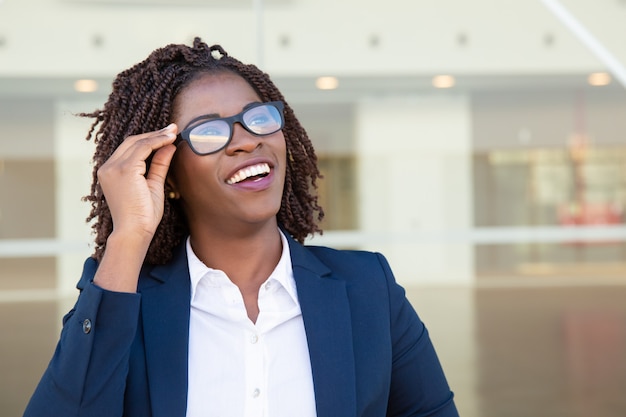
(171, 190)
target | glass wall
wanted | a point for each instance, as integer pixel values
(553, 162)
(28, 278)
(547, 175)
(474, 144)
(504, 187)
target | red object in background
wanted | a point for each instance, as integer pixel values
(590, 214)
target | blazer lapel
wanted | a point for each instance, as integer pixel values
(165, 310)
(327, 322)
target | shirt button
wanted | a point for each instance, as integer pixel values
(86, 326)
(254, 338)
(256, 393)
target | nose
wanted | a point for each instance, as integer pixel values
(242, 140)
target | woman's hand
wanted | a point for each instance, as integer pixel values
(135, 199)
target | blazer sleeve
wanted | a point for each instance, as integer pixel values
(87, 373)
(418, 384)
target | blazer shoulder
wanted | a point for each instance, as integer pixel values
(328, 253)
(350, 262)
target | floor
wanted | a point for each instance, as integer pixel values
(538, 351)
(546, 351)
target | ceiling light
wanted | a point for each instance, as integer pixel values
(598, 79)
(443, 81)
(327, 83)
(85, 86)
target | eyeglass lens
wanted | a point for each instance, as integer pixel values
(212, 135)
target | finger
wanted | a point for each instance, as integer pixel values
(160, 164)
(142, 145)
(167, 131)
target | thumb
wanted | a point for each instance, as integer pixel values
(160, 164)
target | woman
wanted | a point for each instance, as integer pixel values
(200, 299)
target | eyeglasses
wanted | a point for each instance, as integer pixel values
(207, 135)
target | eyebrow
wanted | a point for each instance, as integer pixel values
(247, 106)
(217, 116)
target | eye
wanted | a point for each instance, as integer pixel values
(210, 128)
(258, 117)
(262, 119)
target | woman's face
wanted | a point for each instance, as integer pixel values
(215, 189)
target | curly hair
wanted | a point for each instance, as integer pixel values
(141, 101)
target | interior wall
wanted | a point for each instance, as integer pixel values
(27, 190)
(529, 119)
(414, 179)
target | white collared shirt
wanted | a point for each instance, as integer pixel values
(244, 369)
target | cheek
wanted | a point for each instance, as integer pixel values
(282, 146)
(283, 155)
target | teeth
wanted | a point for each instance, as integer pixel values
(248, 172)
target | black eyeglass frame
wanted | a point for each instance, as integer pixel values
(230, 121)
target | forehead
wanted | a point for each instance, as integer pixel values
(223, 94)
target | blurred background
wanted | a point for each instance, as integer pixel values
(479, 145)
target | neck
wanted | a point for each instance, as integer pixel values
(247, 258)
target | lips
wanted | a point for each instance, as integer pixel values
(250, 173)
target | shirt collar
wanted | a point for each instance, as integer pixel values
(282, 274)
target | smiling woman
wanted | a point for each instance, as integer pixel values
(200, 298)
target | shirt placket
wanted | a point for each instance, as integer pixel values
(256, 378)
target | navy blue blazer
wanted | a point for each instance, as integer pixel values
(126, 354)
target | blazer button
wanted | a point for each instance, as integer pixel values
(87, 326)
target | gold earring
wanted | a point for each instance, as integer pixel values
(172, 195)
